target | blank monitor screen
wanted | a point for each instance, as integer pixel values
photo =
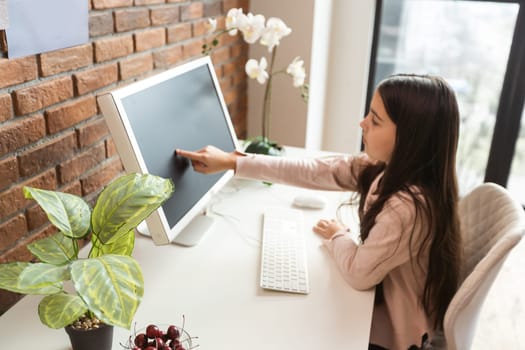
(180, 108)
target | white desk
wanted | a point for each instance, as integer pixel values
(215, 285)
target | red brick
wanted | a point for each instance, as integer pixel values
(97, 180)
(11, 201)
(42, 95)
(46, 181)
(12, 230)
(72, 188)
(66, 59)
(148, 2)
(135, 66)
(221, 54)
(6, 107)
(92, 132)
(111, 149)
(165, 15)
(150, 39)
(21, 132)
(17, 70)
(47, 154)
(100, 23)
(114, 47)
(95, 78)
(200, 27)
(8, 172)
(192, 48)
(167, 57)
(71, 113)
(239, 51)
(129, 19)
(179, 32)
(212, 9)
(106, 4)
(228, 4)
(191, 11)
(81, 163)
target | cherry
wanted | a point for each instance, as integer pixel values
(141, 340)
(173, 332)
(151, 347)
(159, 342)
(152, 331)
(165, 347)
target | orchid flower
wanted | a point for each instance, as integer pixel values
(296, 70)
(211, 25)
(251, 27)
(275, 30)
(257, 70)
(232, 20)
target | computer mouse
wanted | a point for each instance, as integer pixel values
(309, 201)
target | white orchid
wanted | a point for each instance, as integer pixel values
(251, 27)
(211, 25)
(296, 70)
(269, 34)
(257, 70)
(274, 31)
(232, 20)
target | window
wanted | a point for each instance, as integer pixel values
(478, 47)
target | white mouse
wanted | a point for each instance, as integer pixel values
(309, 201)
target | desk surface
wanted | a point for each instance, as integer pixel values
(215, 286)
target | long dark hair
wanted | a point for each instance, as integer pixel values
(425, 111)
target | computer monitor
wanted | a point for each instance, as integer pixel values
(179, 108)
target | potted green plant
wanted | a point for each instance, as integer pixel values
(107, 284)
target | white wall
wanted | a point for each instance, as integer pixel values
(289, 112)
(334, 39)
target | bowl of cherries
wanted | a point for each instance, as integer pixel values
(155, 337)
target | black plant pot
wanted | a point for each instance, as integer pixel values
(93, 339)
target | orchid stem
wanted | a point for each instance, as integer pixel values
(267, 100)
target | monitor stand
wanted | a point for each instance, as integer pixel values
(190, 235)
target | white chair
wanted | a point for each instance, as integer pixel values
(492, 223)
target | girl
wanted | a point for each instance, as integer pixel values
(410, 245)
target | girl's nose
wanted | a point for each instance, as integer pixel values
(362, 123)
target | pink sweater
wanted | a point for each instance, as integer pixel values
(400, 321)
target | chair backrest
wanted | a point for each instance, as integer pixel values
(492, 223)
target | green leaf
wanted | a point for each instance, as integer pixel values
(261, 145)
(127, 201)
(69, 213)
(10, 276)
(111, 285)
(60, 310)
(123, 246)
(42, 274)
(57, 249)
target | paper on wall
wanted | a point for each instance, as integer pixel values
(37, 26)
(4, 18)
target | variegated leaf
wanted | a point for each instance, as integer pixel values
(42, 274)
(111, 285)
(57, 249)
(10, 276)
(60, 310)
(123, 246)
(69, 213)
(127, 201)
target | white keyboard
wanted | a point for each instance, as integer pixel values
(283, 251)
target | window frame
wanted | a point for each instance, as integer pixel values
(511, 101)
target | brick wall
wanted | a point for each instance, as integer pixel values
(52, 134)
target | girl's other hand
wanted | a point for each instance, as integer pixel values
(327, 228)
(210, 159)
